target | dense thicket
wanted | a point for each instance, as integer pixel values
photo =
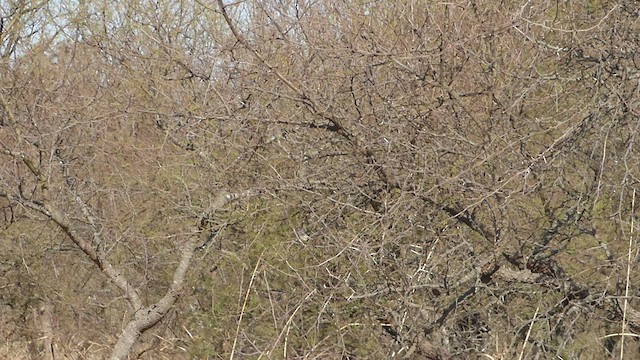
(339, 180)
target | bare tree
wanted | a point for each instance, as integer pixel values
(435, 180)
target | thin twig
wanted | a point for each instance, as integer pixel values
(244, 306)
(626, 288)
(526, 339)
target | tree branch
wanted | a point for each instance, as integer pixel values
(145, 318)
